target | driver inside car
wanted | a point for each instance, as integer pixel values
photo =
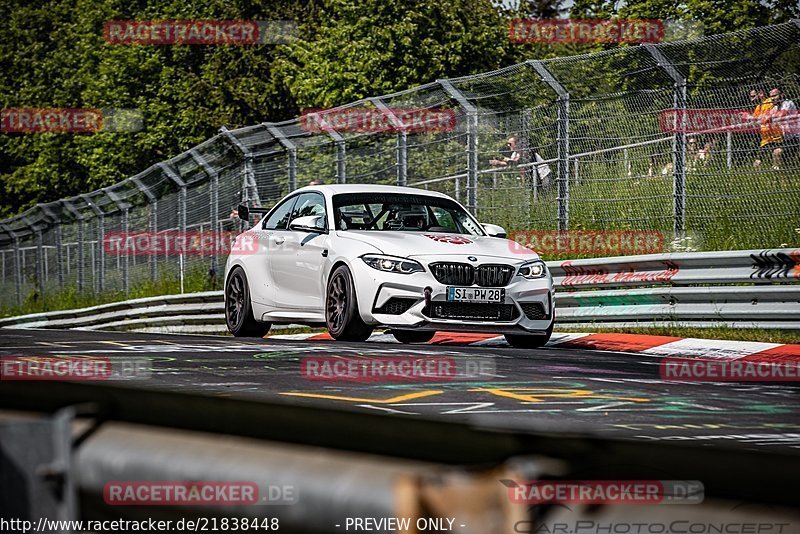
(407, 218)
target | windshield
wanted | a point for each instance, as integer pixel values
(387, 212)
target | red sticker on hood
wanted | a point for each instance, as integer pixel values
(452, 239)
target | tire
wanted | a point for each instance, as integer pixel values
(529, 341)
(341, 308)
(239, 309)
(412, 336)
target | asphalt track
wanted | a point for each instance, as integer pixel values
(615, 394)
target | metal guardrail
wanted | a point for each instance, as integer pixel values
(739, 289)
(168, 310)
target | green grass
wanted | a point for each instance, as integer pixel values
(70, 298)
(726, 209)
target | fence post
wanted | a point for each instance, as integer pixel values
(472, 143)
(679, 139)
(729, 149)
(56, 220)
(100, 231)
(40, 263)
(214, 193)
(172, 175)
(17, 263)
(401, 144)
(249, 187)
(341, 147)
(291, 153)
(152, 201)
(81, 242)
(123, 207)
(563, 141)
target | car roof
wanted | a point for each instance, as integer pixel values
(335, 189)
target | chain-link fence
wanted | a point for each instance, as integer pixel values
(594, 153)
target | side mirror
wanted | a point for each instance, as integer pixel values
(492, 230)
(243, 212)
(311, 223)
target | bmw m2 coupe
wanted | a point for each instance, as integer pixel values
(358, 257)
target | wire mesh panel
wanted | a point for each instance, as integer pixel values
(435, 156)
(617, 140)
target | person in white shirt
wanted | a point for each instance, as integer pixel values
(785, 112)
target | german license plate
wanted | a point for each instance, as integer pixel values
(476, 294)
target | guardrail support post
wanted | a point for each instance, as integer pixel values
(172, 175)
(291, 153)
(401, 145)
(679, 140)
(472, 143)
(563, 141)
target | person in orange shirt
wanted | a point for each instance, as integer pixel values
(771, 133)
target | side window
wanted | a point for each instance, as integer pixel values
(308, 204)
(279, 219)
(445, 220)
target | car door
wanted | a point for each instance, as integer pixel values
(298, 271)
(271, 246)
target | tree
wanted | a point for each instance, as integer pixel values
(371, 47)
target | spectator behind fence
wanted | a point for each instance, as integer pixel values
(509, 156)
(771, 134)
(785, 112)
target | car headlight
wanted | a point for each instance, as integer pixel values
(533, 270)
(392, 264)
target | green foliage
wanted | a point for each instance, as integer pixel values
(372, 47)
(70, 298)
(53, 55)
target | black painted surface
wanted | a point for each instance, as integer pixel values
(610, 394)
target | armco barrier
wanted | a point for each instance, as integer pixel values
(740, 289)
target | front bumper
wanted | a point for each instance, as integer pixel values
(378, 292)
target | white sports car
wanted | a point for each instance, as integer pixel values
(357, 257)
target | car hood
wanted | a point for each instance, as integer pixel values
(415, 244)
